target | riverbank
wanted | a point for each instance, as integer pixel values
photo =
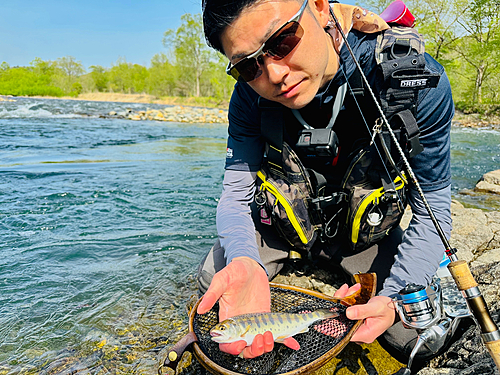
(192, 109)
(207, 102)
(476, 120)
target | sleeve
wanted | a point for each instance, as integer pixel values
(245, 149)
(432, 166)
(421, 249)
(235, 226)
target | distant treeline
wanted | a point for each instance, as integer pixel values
(189, 69)
(463, 35)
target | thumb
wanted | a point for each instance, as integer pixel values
(359, 312)
(207, 302)
(212, 295)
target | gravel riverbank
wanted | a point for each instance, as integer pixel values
(189, 114)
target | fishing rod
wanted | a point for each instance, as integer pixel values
(459, 269)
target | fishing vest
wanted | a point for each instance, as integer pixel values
(346, 182)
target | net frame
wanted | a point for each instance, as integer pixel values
(367, 291)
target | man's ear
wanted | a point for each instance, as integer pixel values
(322, 9)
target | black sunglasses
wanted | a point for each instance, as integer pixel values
(280, 44)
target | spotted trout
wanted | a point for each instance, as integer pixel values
(282, 325)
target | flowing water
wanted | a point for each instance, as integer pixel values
(103, 222)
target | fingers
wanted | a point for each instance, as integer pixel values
(345, 291)
(342, 291)
(379, 315)
(233, 348)
(364, 336)
(261, 344)
(378, 306)
(291, 343)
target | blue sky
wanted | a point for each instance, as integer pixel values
(95, 32)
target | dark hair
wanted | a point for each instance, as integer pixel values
(217, 15)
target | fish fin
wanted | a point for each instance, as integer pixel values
(246, 331)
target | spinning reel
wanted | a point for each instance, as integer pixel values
(433, 311)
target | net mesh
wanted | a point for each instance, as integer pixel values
(321, 337)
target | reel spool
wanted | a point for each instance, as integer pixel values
(418, 309)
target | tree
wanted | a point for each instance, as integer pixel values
(100, 77)
(481, 21)
(70, 66)
(191, 52)
(68, 71)
(127, 77)
(436, 20)
(162, 76)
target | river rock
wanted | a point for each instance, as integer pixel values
(475, 233)
(179, 114)
(489, 183)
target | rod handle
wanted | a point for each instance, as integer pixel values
(494, 349)
(461, 273)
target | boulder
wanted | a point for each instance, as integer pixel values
(475, 233)
(489, 183)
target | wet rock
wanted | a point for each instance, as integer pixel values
(489, 183)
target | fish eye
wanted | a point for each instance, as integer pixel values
(222, 328)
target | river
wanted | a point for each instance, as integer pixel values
(103, 222)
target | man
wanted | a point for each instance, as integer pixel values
(304, 74)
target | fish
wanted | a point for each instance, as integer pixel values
(282, 325)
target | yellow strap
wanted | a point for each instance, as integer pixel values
(284, 202)
(372, 197)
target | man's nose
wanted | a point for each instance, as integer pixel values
(276, 69)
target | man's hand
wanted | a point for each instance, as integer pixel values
(242, 288)
(379, 314)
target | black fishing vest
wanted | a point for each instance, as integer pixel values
(401, 74)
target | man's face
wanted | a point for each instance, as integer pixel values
(295, 79)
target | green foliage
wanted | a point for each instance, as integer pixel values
(34, 80)
(127, 77)
(192, 55)
(189, 69)
(488, 110)
(464, 36)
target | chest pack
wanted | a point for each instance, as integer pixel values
(371, 197)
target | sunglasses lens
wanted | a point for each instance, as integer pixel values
(247, 69)
(277, 46)
(285, 40)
